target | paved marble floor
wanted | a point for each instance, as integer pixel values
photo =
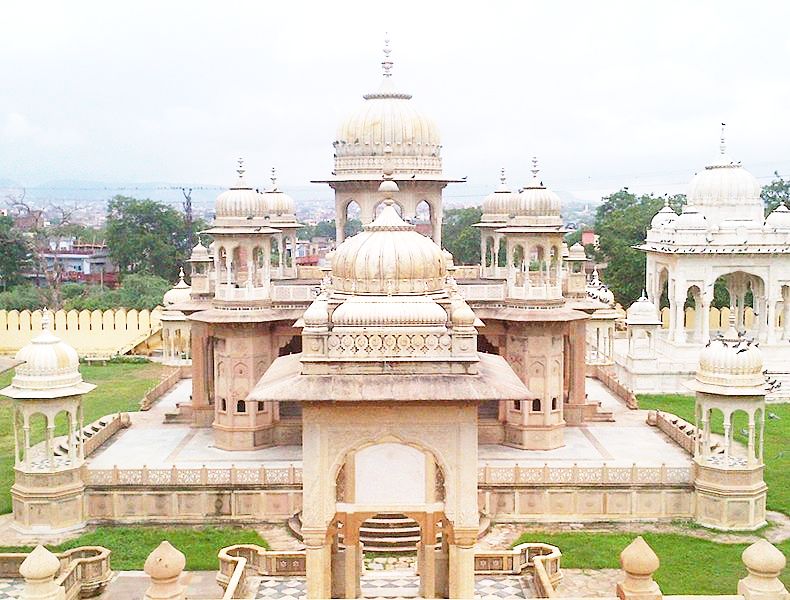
(394, 585)
(626, 441)
(10, 589)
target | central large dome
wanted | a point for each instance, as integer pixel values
(387, 117)
(388, 257)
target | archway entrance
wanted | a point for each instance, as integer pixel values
(382, 486)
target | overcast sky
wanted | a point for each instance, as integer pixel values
(604, 93)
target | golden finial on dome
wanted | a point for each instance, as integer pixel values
(386, 64)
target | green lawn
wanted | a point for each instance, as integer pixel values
(689, 565)
(131, 545)
(119, 388)
(777, 435)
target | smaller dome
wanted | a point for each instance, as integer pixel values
(535, 200)
(180, 292)
(240, 201)
(199, 253)
(277, 202)
(664, 217)
(49, 369)
(463, 315)
(576, 253)
(779, 218)
(317, 314)
(691, 218)
(499, 201)
(731, 365)
(642, 312)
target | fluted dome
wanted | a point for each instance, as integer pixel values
(240, 201)
(49, 369)
(730, 366)
(199, 253)
(779, 218)
(642, 312)
(278, 204)
(576, 253)
(388, 257)
(179, 292)
(725, 191)
(536, 201)
(666, 216)
(497, 205)
(387, 117)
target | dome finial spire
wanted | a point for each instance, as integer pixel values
(502, 176)
(45, 320)
(240, 168)
(722, 143)
(274, 179)
(535, 170)
(181, 275)
(386, 64)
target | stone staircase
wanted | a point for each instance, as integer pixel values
(390, 533)
(86, 434)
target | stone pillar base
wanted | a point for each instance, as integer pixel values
(48, 503)
(534, 438)
(730, 499)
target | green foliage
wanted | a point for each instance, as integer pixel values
(138, 291)
(621, 222)
(777, 432)
(775, 193)
(131, 545)
(25, 297)
(459, 237)
(146, 236)
(689, 565)
(573, 237)
(15, 256)
(119, 388)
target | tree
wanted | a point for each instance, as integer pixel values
(459, 237)
(775, 193)
(145, 236)
(26, 297)
(621, 222)
(16, 253)
(326, 229)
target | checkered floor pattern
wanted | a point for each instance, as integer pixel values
(390, 586)
(10, 589)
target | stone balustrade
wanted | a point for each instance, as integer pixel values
(607, 377)
(681, 431)
(161, 388)
(81, 572)
(576, 475)
(204, 476)
(488, 291)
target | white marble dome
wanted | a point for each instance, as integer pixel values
(388, 257)
(498, 203)
(731, 362)
(535, 200)
(663, 218)
(779, 218)
(725, 191)
(690, 218)
(240, 201)
(180, 292)
(387, 117)
(49, 369)
(576, 253)
(642, 312)
(199, 253)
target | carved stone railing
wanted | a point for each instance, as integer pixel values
(681, 431)
(204, 476)
(160, 389)
(488, 291)
(294, 293)
(116, 422)
(606, 376)
(581, 476)
(84, 571)
(237, 563)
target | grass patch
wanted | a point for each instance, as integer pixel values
(689, 565)
(119, 388)
(131, 545)
(777, 434)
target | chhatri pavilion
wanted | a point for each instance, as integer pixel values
(392, 386)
